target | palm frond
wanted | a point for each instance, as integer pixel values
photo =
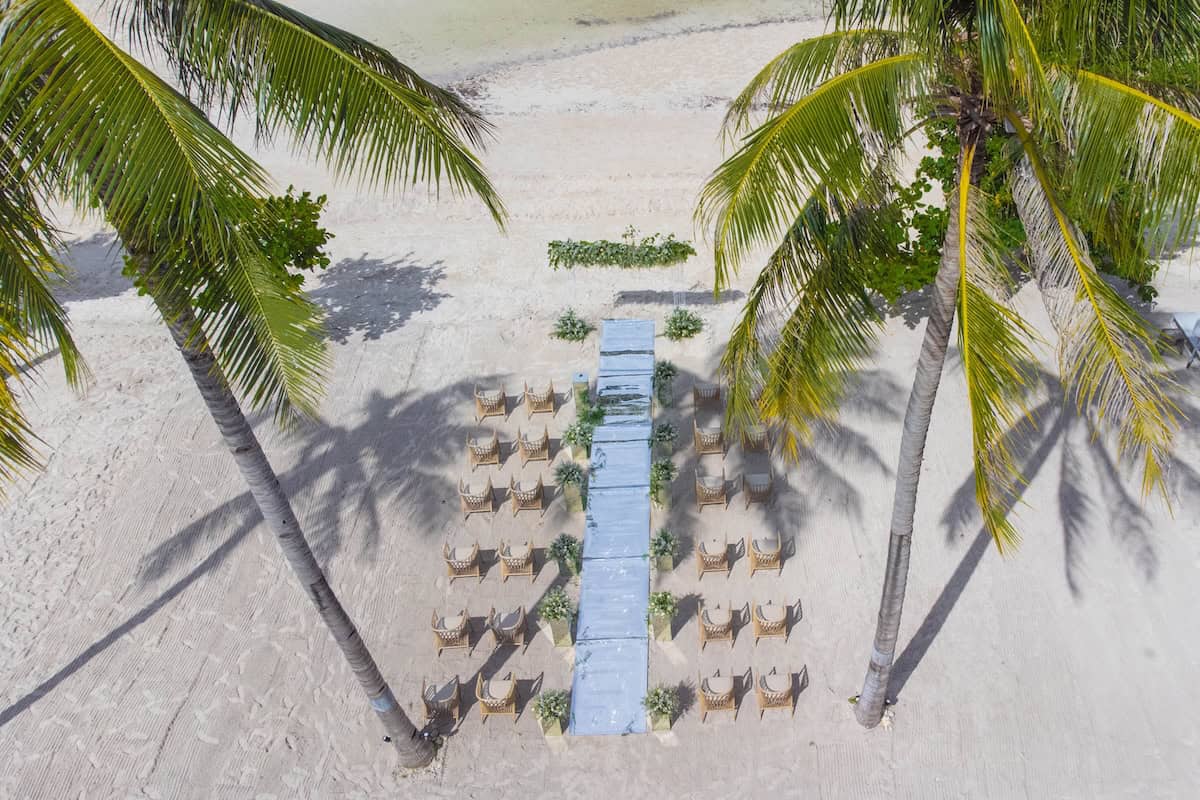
(1107, 355)
(997, 363)
(1128, 140)
(799, 69)
(808, 323)
(833, 137)
(1012, 70)
(342, 99)
(16, 438)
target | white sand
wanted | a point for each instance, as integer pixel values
(153, 643)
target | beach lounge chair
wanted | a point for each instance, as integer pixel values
(708, 441)
(765, 553)
(509, 628)
(533, 449)
(483, 451)
(706, 394)
(450, 632)
(441, 701)
(774, 691)
(1189, 326)
(490, 403)
(710, 491)
(756, 438)
(496, 696)
(461, 562)
(758, 487)
(712, 555)
(525, 497)
(515, 559)
(540, 401)
(716, 625)
(716, 694)
(770, 621)
(476, 501)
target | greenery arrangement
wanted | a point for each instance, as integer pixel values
(683, 324)
(662, 701)
(664, 433)
(663, 604)
(579, 433)
(650, 251)
(568, 552)
(551, 706)
(662, 472)
(663, 544)
(664, 376)
(572, 327)
(569, 473)
(556, 605)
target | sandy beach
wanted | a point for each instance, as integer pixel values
(154, 644)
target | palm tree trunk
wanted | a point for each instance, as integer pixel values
(277, 512)
(870, 705)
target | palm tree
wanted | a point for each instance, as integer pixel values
(82, 119)
(1097, 103)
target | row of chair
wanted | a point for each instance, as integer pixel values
(521, 497)
(496, 696)
(494, 402)
(515, 558)
(772, 690)
(486, 452)
(454, 631)
(710, 439)
(764, 553)
(711, 490)
(767, 620)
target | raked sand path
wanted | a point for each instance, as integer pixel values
(153, 643)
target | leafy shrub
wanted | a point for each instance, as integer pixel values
(572, 327)
(663, 701)
(664, 375)
(555, 605)
(568, 552)
(663, 604)
(579, 433)
(551, 706)
(683, 324)
(663, 543)
(664, 433)
(650, 251)
(662, 472)
(569, 473)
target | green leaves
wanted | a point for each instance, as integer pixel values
(648, 251)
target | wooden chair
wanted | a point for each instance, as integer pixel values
(472, 501)
(533, 449)
(716, 694)
(710, 491)
(774, 691)
(540, 401)
(441, 701)
(515, 559)
(496, 696)
(758, 487)
(508, 629)
(765, 553)
(770, 621)
(461, 562)
(706, 393)
(756, 437)
(526, 498)
(483, 451)
(450, 632)
(712, 555)
(708, 441)
(490, 403)
(716, 625)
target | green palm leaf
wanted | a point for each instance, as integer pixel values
(1107, 356)
(1010, 65)
(16, 438)
(834, 137)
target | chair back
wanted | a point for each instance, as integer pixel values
(518, 561)
(484, 450)
(772, 696)
(490, 402)
(459, 564)
(440, 700)
(706, 393)
(708, 490)
(476, 498)
(708, 440)
(755, 437)
(526, 496)
(534, 449)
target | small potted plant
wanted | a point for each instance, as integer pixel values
(662, 439)
(664, 377)
(682, 324)
(556, 609)
(578, 435)
(571, 327)
(551, 711)
(662, 550)
(662, 472)
(663, 606)
(569, 477)
(568, 552)
(662, 704)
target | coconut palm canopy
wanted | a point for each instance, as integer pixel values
(83, 121)
(1098, 100)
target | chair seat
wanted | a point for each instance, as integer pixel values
(717, 617)
(713, 547)
(772, 613)
(508, 621)
(758, 479)
(520, 487)
(517, 551)
(775, 683)
(451, 623)
(718, 684)
(711, 483)
(491, 396)
(461, 553)
(497, 690)
(440, 694)
(766, 546)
